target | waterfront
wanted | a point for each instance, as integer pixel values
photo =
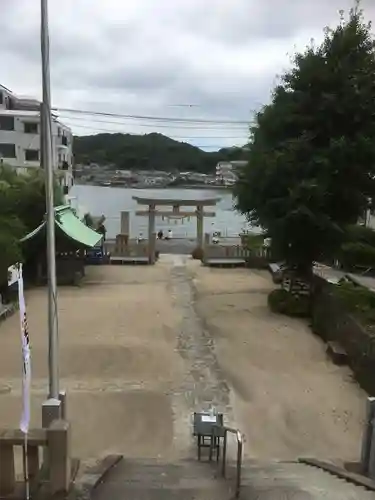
(111, 201)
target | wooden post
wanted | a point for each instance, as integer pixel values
(7, 471)
(152, 249)
(199, 226)
(206, 247)
(58, 439)
(125, 223)
(33, 461)
(367, 435)
(151, 232)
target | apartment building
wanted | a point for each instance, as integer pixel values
(20, 137)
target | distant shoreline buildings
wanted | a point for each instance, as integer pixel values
(227, 171)
(20, 137)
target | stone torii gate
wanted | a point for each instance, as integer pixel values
(176, 212)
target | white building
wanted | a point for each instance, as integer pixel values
(20, 137)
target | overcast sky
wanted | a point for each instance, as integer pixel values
(147, 56)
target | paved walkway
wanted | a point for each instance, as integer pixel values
(141, 348)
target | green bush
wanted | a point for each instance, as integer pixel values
(283, 302)
(197, 253)
(357, 254)
(359, 234)
(357, 300)
(252, 241)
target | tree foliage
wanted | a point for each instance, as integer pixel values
(149, 152)
(22, 209)
(311, 163)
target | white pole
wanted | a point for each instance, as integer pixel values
(51, 254)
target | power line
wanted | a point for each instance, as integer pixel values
(171, 136)
(154, 126)
(152, 118)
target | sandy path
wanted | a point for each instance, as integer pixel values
(118, 361)
(286, 396)
(141, 348)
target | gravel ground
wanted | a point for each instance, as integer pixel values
(287, 397)
(141, 348)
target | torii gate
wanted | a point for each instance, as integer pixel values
(176, 212)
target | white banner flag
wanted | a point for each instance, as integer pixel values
(26, 379)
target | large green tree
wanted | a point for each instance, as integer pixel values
(311, 162)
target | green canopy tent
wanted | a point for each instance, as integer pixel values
(72, 236)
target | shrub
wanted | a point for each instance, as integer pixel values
(283, 302)
(357, 254)
(197, 253)
(357, 300)
(359, 234)
(252, 241)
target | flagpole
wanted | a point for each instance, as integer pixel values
(47, 157)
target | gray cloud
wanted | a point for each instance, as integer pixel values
(145, 57)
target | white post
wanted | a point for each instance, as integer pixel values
(368, 436)
(371, 461)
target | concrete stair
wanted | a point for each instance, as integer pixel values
(151, 480)
(192, 480)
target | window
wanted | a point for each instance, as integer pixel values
(64, 140)
(6, 123)
(31, 154)
(66, 190)
(1, 98)
(30, 127)
(7, 150)
(9, 103)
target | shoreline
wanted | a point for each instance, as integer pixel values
(192, 186)
(176, 246)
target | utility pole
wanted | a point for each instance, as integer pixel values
(47, 163)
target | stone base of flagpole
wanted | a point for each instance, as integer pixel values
(51, 410)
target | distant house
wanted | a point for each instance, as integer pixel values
(227, 171)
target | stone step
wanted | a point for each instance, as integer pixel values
(189, 479)
(166, 494)
(297, 477)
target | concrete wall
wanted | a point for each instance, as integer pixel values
(331, 322)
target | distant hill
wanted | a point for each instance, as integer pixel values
(149, 152)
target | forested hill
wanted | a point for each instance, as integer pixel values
(149, 152)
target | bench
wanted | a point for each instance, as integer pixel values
(276, 272)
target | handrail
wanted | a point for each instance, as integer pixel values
(239, 439)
